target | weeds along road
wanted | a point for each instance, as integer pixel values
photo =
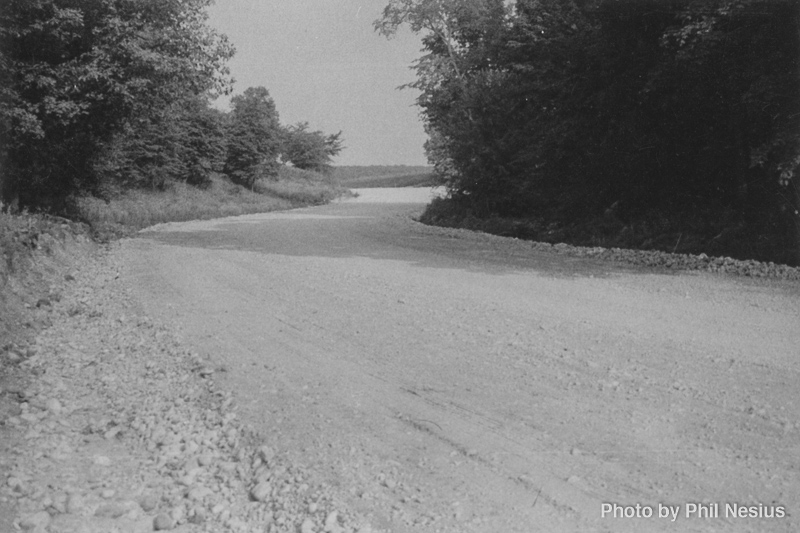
(446, 381)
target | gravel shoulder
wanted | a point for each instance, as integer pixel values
(108, 423)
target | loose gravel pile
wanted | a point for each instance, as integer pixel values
(112, 426)
(650, 258)
(701, 262)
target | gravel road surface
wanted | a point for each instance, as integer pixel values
(441, 380)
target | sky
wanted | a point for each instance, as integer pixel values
(323, 63)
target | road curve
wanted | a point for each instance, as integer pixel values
(448, 381)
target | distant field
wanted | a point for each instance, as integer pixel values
(384, 176)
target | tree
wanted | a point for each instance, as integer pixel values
(558, 109)
(310, 150)
(254, 137)
(182, 142)
(79, 70)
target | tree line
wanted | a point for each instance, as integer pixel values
(677, 113)
(101, 95)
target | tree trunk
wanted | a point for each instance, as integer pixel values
(794, 184)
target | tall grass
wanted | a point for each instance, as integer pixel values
(136, 209)
(300, 186)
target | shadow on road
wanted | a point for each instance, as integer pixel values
(380, 231)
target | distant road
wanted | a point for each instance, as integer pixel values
(440, 380)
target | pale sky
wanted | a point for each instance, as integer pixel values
(323, 63)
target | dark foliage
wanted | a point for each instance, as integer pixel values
(184, 142)
(78, 73)
(310, 150)
(570, 112)
(254, 138)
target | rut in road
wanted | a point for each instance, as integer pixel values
(449, 381)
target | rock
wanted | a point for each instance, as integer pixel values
(261, 492)
(75, 504)
(37, 522)
(147, 502)
(111, 510)
(199, 493)
(197, 515)
(54, 406)
(29, 418)
(218, 509)
(266, 454)
(178, 514)
(163, 522)
(236, 524)
(43, 302)
(332, 522)
(102, 460)
(59, 502)
(307, 526)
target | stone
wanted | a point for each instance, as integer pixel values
(266, 454)
(163, 522)
(307, 526)
(148, 502)
(102, 460)
(75, 504)
(261, 492)
(197, 515)
(178, 514)
(35, 522)
(198, 493)
(332, 522)
(54, 406)
(111, 510)
(236, 524)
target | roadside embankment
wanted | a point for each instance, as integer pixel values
(107, 422)
(583, 241)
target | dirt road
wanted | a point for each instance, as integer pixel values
(446, 381)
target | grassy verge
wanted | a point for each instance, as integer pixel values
(136, 209)
(301, 187)
(723, 235)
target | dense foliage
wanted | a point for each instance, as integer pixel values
(98, 96)
(254, 137)
(183, 142)
(310, 150)
(79, 73)
(681, 112)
